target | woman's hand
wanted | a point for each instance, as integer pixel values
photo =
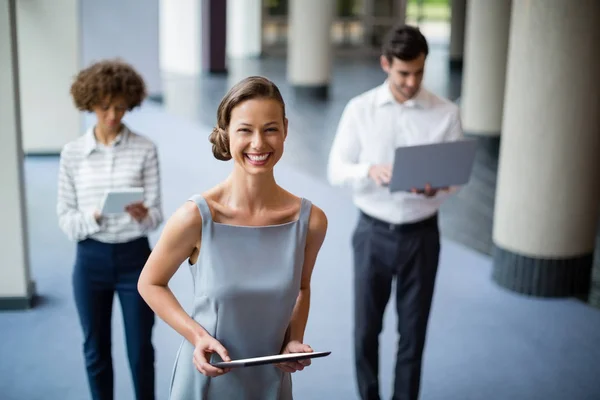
(97, 216)
(138, 211)
(295, 346)
(204, 347)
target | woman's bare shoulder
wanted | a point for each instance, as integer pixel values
(186, 217)
(317, 223)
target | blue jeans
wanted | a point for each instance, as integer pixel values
(101, 269)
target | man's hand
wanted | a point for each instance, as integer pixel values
(137, 210)
(428, 191)
(381, 174)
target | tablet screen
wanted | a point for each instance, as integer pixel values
(247, 362)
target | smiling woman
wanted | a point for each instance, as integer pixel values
(252, 247)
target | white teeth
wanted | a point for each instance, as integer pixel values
(256, 157)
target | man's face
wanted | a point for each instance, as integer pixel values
(404, 77)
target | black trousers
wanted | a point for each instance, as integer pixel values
(409, 253)
(102, 269)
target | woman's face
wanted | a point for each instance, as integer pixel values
(257, 131)
(109, 113)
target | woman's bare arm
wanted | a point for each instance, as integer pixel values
(179, 238)
(317, 229)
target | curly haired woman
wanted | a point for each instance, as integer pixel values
(111, 249)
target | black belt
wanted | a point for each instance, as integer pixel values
(430, 222)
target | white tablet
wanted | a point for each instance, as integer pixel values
(249, 362)
(115, 200)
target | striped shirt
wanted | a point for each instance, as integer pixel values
(88, 168)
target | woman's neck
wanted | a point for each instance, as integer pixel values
(104, 135)
(251, 192)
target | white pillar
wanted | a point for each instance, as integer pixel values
(309, 46)
(457, 32)
(399, 8)
(49, 57)
(16, 289)
(484, 71)
(244, 28)
(180, 27)
(241, 69)
(548, 188)
(57, 39)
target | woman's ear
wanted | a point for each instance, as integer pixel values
(285, 127)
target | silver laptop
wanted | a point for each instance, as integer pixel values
(439, 164)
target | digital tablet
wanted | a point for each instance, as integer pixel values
(249, 362)
(115, 200)
(439, 164)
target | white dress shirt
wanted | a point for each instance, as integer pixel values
(88, 168)
(372, 126)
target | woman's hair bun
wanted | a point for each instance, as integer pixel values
(220, 144)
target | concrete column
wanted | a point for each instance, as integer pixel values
(214, 35)
(309, 46)
(180, 27)
(548, 189)
(49, 56)
(57, 39)
(458, 10)
(193, 36)
(16, 288)
(400, 10)
(244, 28)
(368, 7)
(486, 51)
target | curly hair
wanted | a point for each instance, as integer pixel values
(249, 88)
(108, 78)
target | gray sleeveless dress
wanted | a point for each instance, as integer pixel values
(246, 282)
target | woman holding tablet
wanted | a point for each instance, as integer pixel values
(252, 247)
(111, 249)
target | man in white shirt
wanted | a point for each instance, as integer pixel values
(397, 234)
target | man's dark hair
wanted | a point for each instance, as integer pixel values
(404, 42)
